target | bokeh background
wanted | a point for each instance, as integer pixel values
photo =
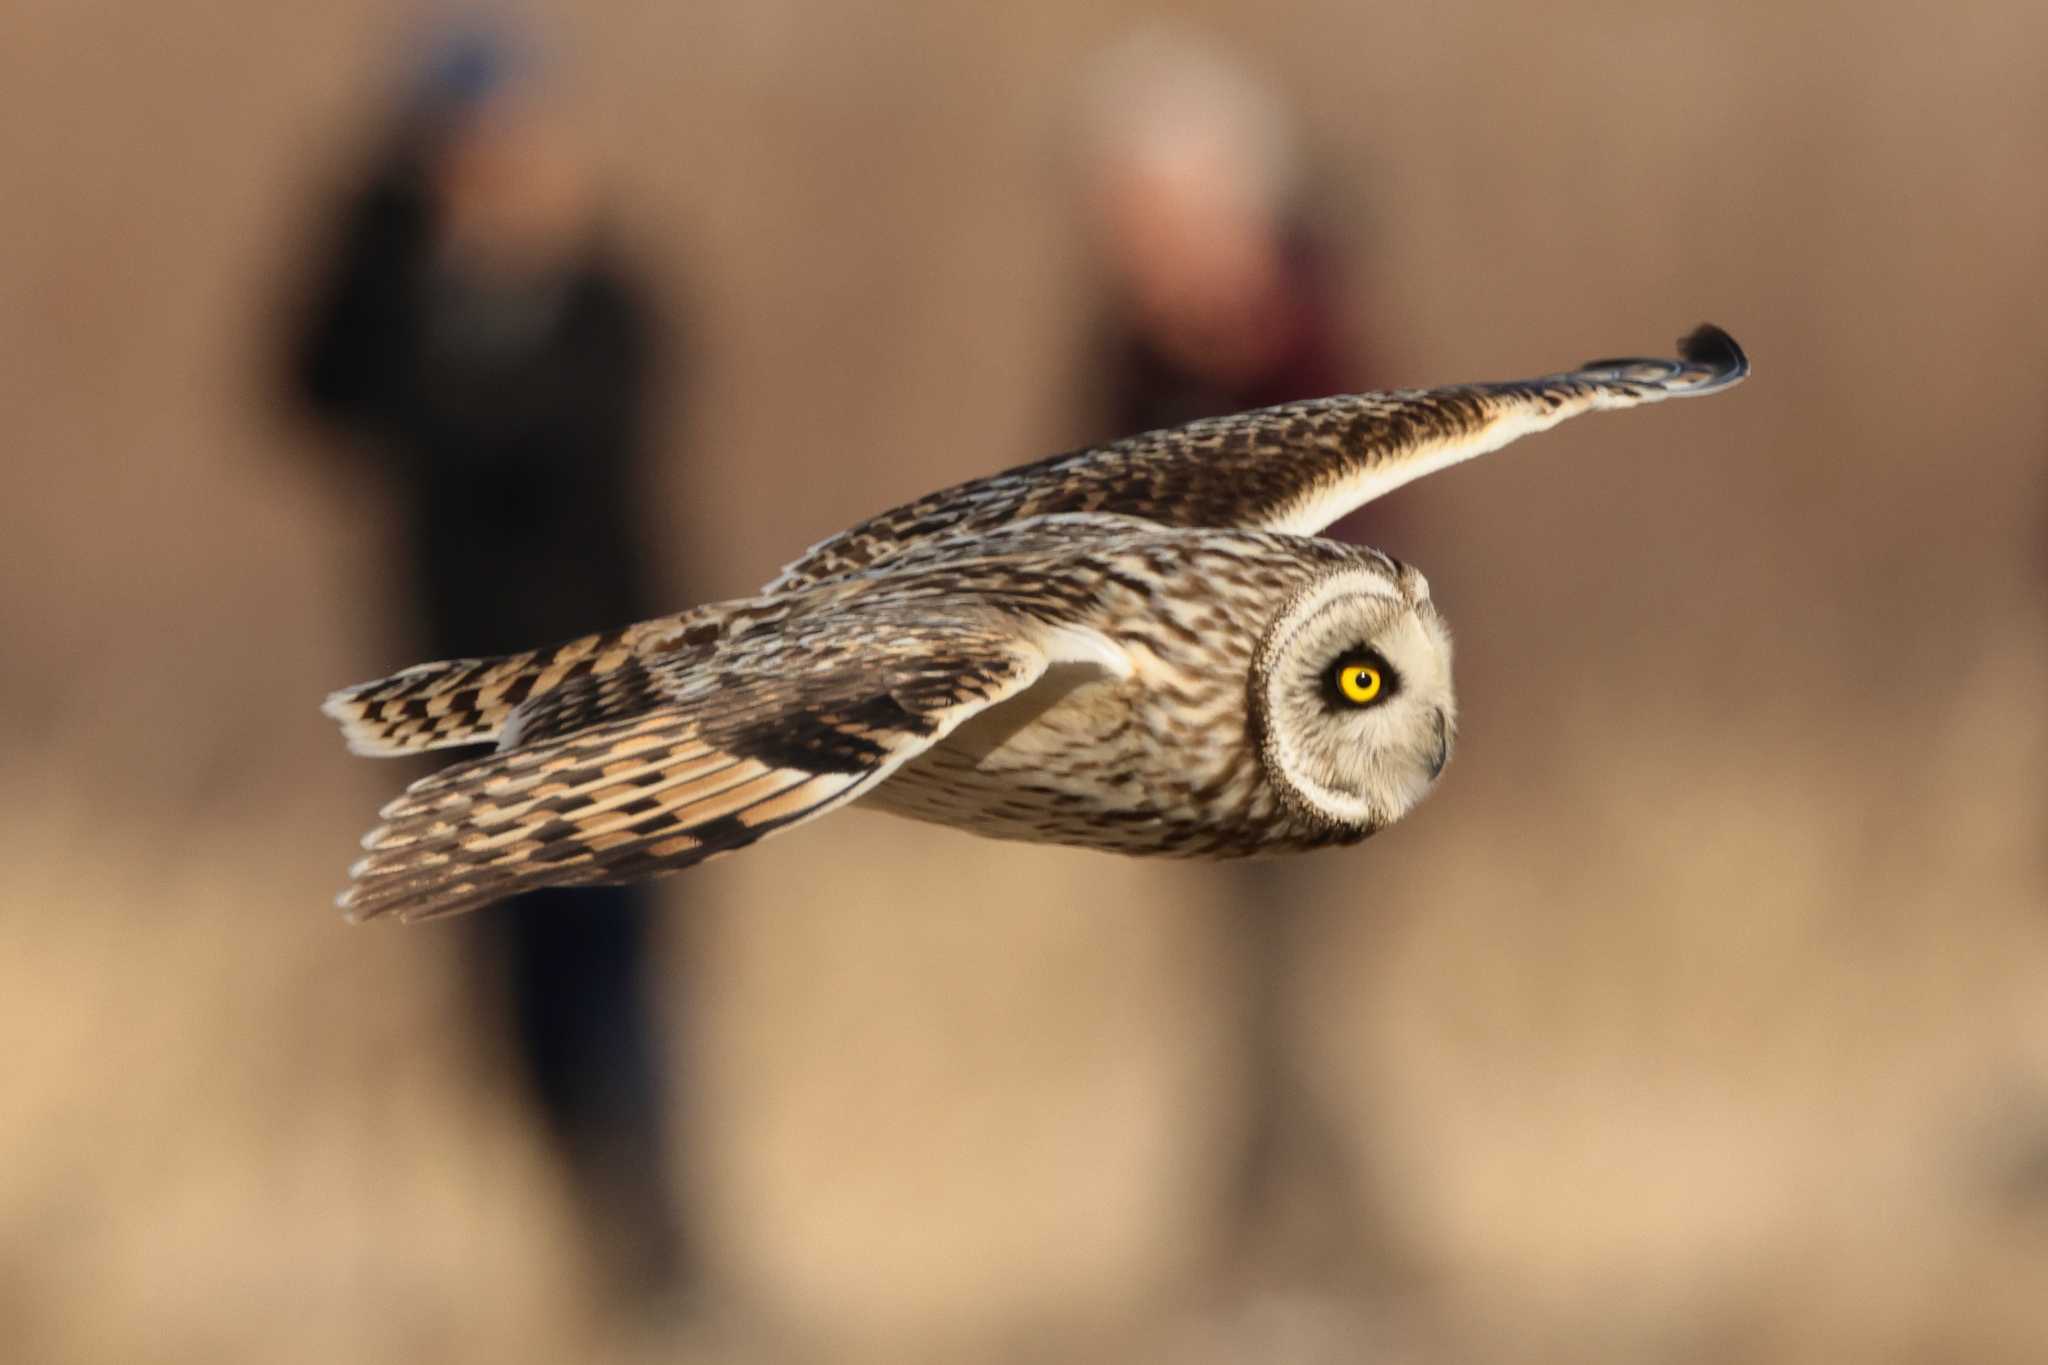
(1702, 1015)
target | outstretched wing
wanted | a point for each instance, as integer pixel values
(513, 699)
(1296, 468)
(692, 757)
(458, 702)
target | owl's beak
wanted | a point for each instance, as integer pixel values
(1443, 745)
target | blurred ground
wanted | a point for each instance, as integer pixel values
(1700, 1016)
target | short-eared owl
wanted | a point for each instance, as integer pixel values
(1141, 648)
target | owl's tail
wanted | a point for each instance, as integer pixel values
(467, 701)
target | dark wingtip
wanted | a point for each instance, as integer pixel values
(1710, 361)
(1712, 349)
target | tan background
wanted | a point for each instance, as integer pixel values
(1703, 1014)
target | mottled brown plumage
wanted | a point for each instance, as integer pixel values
(1135, 648)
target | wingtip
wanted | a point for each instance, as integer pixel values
(344, 708)
(1710, 360)
(351, 913)
(356, 910)
(1712, 349)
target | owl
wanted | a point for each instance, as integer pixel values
(1140, 648)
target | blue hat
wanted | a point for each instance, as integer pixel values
(468, 65)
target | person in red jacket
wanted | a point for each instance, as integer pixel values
(1220, 290)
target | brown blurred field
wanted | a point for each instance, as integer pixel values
(1702, 1015)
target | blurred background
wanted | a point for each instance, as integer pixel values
(1702, 1015)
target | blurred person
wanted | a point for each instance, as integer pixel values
(1221, 289)
(1220, 292)
(477, 342)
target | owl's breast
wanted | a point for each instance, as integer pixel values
(1160, 762)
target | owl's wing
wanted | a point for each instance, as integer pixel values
(458, 702)
(1295, 468)
(666, 761)
(512, 698)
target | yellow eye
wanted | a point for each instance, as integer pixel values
(1359, 683)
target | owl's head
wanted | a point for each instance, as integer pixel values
(1351, 694)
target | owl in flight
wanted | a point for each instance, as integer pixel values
(1142, 647)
